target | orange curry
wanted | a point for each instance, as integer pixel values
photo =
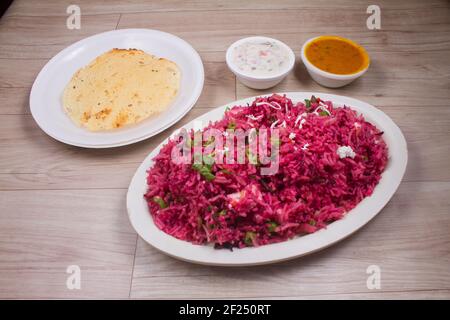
(337, 55)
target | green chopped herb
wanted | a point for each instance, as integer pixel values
(275, 141)
(222, 213)
(209, 141)
(252, 158)
(204, 170)
(272, 226)
(209, 208)
(227, 109)
(273, 156)
(249, 237)
(307, 103)
(231, 125)
(323, 113)
(226, 171)
(312, 222)
(162, 204)
(209, 159)
(197, 157)
(189, 142)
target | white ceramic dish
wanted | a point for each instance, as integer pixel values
(260, 82)
(142, 221)
(46, 93)
(328, 79)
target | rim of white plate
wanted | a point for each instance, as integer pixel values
(356, 218)
(41, 83)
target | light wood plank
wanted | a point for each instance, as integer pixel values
(43, 37)
(19, 73)
(417, 214)
(14, 101)
(375, 295)
(294, 27)
(43, 232)
(58, 7)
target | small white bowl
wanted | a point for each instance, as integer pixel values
(260, 82)
(327, 79)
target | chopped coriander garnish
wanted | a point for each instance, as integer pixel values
(231, 125)
(221, 213)
(197, 157)
(271, 226)
(275, 141)
(312, 222)
(252, 158)
(226, 171)
(323, 113)
(204, 170)
(162, 204)
(307, 103)
(209, 141)
(208, 159)
(249, 237)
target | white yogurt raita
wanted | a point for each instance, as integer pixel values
(260, 58)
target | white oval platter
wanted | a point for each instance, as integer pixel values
(142, 221)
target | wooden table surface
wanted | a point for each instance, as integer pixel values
(62, 205)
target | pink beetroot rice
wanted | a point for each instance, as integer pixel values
(313, 187)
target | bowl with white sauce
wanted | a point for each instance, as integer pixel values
(260, 62)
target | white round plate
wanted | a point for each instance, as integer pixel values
(356, 218)
(46, 93)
